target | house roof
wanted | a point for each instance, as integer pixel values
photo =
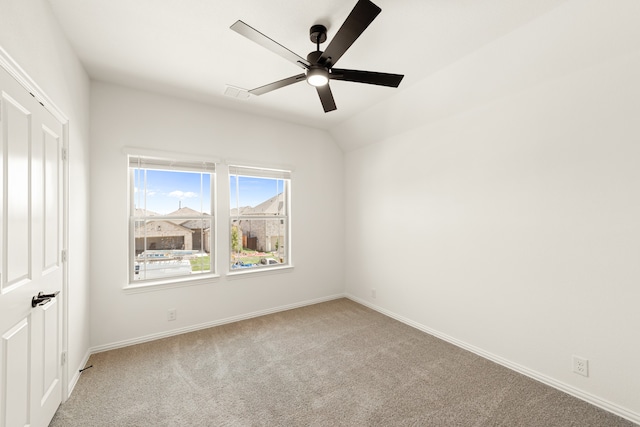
(188, 223)
(242, 211)
(173, 226)
(272, 206)
(185, 211)
(145, 212)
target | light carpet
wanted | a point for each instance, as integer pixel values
(332, 364)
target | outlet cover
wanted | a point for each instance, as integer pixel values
(581, 366)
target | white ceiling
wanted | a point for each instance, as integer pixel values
(185, 47)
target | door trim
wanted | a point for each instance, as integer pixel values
(13, 68)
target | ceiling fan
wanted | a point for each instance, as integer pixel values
(319, 65)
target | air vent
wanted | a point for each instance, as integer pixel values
(236, 92)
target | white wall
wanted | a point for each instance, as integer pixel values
(512, 228)
(575, 35)
(125, 117)
(30, 34)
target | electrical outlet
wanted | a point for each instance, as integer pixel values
(373, 292)
(581, 366)
(172, 314)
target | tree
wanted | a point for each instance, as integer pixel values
(236, 244)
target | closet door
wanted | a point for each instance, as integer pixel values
(31, 234)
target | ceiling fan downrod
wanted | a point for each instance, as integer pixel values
(318, 35)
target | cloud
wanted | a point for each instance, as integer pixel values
(183, 195)
(147, 193)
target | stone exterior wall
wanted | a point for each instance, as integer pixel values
(267, 232)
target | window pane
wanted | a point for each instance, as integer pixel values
(165, 247)
(160, 192)
(257, 196)
(258, 243)
(160, 269)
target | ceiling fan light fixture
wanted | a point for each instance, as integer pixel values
(317, 76)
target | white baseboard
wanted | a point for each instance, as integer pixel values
(179, 331)
(580, 394)
(76, 374)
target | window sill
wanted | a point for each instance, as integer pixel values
(169, 283)
(236, 274)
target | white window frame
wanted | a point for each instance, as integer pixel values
(169, 162)
(238, 169)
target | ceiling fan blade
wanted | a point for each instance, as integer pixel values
(277, 85)
(369, 77)
(326, 97)
(264, 41)
(358, 20)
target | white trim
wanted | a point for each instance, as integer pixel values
(66, 392)
(233, 319)
(259, 172)
(14, 69)
(573, 391)
(170, 283)
(77, 373)
(173, 155)
(259, 165)
(234, 274)
(163, 163)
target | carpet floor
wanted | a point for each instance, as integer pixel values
(332, 364)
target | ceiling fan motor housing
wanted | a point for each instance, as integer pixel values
(314, 56)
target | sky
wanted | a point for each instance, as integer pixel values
(253, 190)
(166, 190)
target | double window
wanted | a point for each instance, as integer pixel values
(172, 224)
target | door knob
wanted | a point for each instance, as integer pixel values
(42, 298)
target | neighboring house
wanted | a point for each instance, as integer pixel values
(201, 228)
(258, 234)
(201, 232)
(164, 234)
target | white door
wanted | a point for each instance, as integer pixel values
(31, 176)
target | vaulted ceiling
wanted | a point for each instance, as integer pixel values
(186, 48)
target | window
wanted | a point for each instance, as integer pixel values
(171, 222)
(260, 218)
